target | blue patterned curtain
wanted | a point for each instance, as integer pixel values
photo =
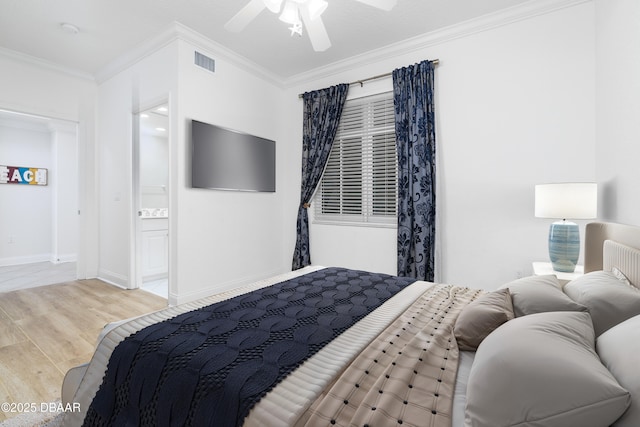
(321, 114)
(416, 147)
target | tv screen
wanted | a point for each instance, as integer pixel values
(225, 159)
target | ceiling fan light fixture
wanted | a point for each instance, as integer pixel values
(296, 13)
(316, 8)
(290, 13)
(273, 5)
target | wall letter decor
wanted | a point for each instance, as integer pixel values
(23, 175)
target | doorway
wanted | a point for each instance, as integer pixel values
(151, 184)
(39, 188)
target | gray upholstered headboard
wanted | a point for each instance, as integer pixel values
(609, 245)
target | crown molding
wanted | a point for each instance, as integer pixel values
(135, 54)
(42, 63)
(23, 124)
(37, 124)
(216, 49)
(178, 31)
(483, 23)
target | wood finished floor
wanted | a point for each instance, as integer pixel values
(45, 331)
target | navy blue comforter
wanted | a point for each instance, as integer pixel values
(210, 366)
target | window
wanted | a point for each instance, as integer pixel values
(359, 183)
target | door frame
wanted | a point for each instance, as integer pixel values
(135, 272)
(82, 246)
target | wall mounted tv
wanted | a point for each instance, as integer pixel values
(225, 159)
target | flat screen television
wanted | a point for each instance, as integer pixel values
(225, 159)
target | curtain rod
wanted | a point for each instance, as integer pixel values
(379, 76)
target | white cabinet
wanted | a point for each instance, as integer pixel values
(155, 248)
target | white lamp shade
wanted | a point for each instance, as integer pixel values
(571, 200)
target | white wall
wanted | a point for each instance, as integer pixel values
(218, 239)
(226, 238)
(618, 109)
(152, 79)
(26, 216)
(515, 107)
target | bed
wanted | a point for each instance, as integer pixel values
(344, 347)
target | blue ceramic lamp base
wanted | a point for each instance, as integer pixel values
(564, 245)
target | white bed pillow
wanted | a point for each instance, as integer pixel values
(609, 299)
(619, 350)
(539, 294)
(542, 370)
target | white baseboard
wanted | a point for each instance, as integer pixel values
(113, 278)
(60, 259)
(152, 277)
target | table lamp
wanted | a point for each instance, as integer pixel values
(571, 200)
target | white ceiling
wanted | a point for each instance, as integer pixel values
(110, 28)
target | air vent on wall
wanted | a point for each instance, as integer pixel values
(205, 62)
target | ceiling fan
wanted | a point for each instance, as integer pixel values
(297, 12)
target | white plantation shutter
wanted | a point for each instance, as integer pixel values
(359, 183)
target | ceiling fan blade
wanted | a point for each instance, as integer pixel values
(380, 4)
(241, 19)
(316, 30)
